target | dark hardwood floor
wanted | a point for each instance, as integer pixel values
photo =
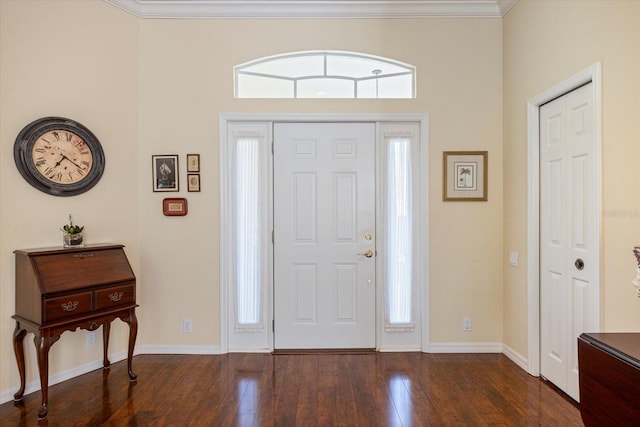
(378, 389)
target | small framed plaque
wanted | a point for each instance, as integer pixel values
(174, 206)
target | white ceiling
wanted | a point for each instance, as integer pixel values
(314, 8)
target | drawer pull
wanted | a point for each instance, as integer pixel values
(116, 296)
(83, 255)
(69, 306)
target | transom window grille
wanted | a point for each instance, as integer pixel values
(324, 74)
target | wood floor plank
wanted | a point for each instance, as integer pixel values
(371, 389)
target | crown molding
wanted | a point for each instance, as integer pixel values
(231, 9)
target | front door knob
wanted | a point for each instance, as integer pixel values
(579, 264)
(368, 253)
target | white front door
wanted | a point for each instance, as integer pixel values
(324, 235)
(568, 215)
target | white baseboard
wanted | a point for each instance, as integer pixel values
(465, 347)
(516, 357)
(397, 349)
(177, 349)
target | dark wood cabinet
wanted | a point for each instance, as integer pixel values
(609, 367)
(60, 290)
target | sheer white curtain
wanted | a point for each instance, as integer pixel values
(247, 229)
(398, 232)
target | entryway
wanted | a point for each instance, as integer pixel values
(324, 232)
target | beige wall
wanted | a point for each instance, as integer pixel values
(78, 60)
(157, 87)
(187, 80)
(546, 42)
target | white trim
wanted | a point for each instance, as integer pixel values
(505, 6)
(591, 74)
(318, 117)
(178, 349)
(515, 357)
(422, 249)
(400, 349)
(229, 9)
(422, 231)
(465, 347)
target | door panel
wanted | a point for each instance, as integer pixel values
(568, 280)
(324, 201)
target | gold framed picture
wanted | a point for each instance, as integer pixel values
(464, 177)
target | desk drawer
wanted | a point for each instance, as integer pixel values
(67, 306)
(113, 297)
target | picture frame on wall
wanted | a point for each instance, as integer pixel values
(193, 183)
(465, 176)
(174, 206)
(165, 172)
(193, 163)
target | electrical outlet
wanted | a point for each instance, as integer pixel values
(186, 326)
(466, 324)
(91, 339)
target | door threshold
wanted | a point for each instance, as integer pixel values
(303, 351)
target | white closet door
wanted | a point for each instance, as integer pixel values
(568, 214)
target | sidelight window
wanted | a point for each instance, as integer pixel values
(247, 230)
(398, 232)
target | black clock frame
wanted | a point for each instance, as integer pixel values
(24, 162)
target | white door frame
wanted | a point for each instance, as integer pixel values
(422, 233)
(591, 74)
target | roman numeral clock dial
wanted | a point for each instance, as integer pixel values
(59, 156)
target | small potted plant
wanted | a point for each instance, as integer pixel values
(72, 235)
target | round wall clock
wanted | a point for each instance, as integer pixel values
(59, 156)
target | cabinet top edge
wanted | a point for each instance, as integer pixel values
(60, 249)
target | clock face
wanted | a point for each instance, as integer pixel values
(59, 156)
(62, 156)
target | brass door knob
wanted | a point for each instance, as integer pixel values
(368, 253)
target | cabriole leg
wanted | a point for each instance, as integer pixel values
(132, 320)
(18, 349)
(106, 328)
(43, 343)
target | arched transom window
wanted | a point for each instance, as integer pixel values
(324, 74)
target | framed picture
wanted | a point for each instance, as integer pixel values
(464, 176)
(174, 207)
(193, 162)
(193, 182)
(165, 172)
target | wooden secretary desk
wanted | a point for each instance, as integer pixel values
(60, 290)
